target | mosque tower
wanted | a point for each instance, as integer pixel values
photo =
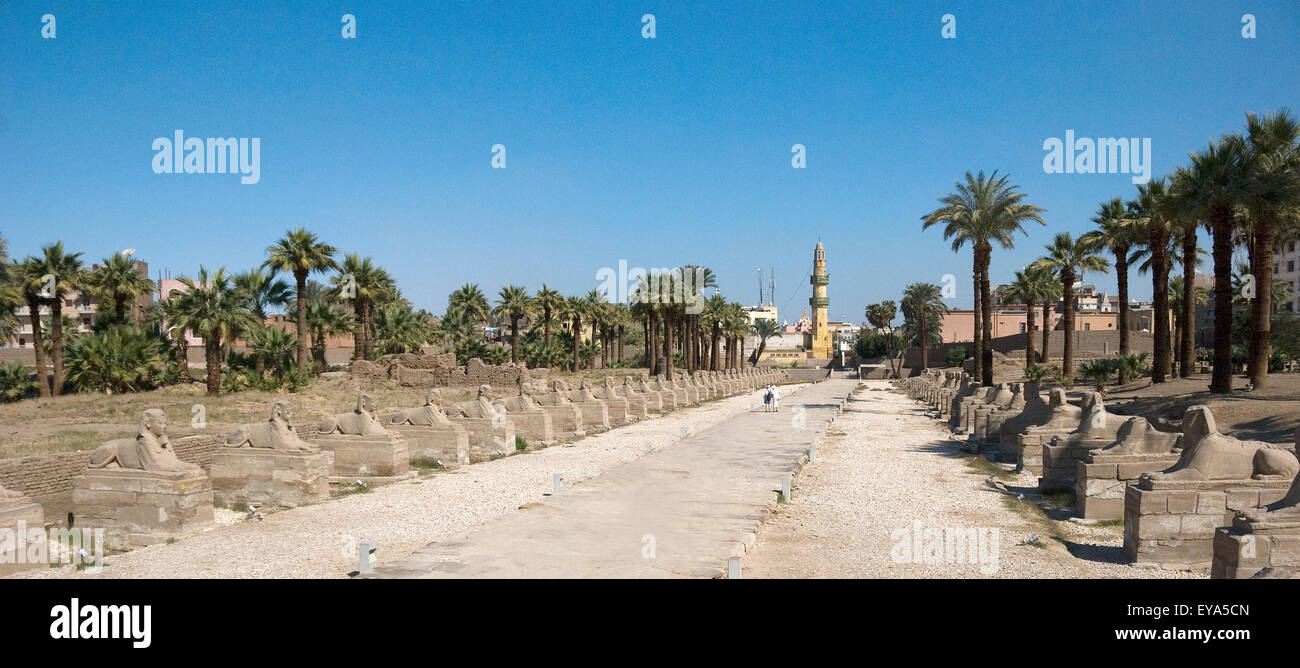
(820, 338)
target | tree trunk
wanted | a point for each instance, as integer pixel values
(358, 331)
(546, 327)
(301, 326)
(56, 343)
(212, 357)
(38, 347)
(1029, 332)
(668, 347)
(514, 339)
(577, 339)
(1067, 299)
(1160, 305)
(925, 345)
(986, 313)
(1187, 354)
(1121, 274)
(1047, 328)
(977, 326)
(1221, 227)
(1261, 311)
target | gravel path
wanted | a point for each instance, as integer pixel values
(320, 541)
(854, 510)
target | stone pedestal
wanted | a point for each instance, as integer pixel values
(534, 426)
(1061, 461)
(488, 437)
(594, 414)
(1244, 549)
(617, 409)
(1100, 481)
(566, 421)
(136, 508)
(366, 456)
(448, 443)
(267, 477)
(637, 406)
(19, 517)
(1172, 524)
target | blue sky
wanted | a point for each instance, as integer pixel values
(660, 152)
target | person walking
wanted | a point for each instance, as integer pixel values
(776, 399)
(767, 400)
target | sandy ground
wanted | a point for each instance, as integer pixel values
(855, 510)
(320, 541)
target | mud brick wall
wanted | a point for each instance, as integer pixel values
(441, 371)
(47, 479)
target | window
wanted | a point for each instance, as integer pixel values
(1290, 266)
(1087, 326)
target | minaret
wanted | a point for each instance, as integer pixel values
(821, 334)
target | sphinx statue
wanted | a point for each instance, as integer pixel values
(1137, 437)
(595, 412)
(1209, 455)
(532, 422)
(428, 415)
(276, 433)
(360, 422)
(149, 451)
(480, 407)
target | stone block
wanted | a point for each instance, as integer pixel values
(448, 443)
(366, 456)
(112, 499)
(269, 478)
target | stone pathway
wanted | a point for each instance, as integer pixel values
(885, 475)
(678, 512)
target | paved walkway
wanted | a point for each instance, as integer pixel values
(678, 512)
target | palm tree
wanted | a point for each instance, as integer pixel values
(261, 290)
(30, 281)
(324, 319)
(1157, 227)
(118, 281)
(1068, 257)
(65, 274)
(923, 308)
(211, 307)
(471, 301)
(549, 302)
(273, 345)
(1117, 233)
(362, 283)
(1273, 196)
(1029, 288)
(982, 211)
(1182, 322)
(514, 302)
(576, 308)
(764, 329)
(737, 327)
(1211, 190)
(300, 253)
(401, 329)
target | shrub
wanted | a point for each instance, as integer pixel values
(956, 355)
(15, 381)
(1037, 372)
(1098, 371)
(118, 359)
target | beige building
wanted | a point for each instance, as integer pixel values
(78, 305)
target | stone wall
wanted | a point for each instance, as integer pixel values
(47, 479)
(410, 370)
(1174, 527)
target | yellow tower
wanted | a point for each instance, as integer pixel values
(820, 347)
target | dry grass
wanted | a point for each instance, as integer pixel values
(82, 421)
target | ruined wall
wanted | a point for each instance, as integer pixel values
(47, 479)
(412, 370)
